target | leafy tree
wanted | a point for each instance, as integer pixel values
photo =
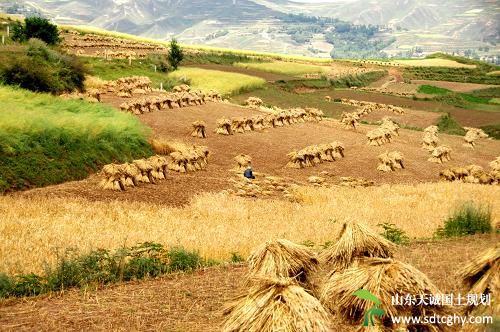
(175, 55)
(36, 27)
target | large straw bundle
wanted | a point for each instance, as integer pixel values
(314, 154)
(238, 125)
(390, 161)
(199, 129)
(113, 177)
(224, 127)
(482, 276)
(273, 305)
(386, 279)
(350, 120)
(495, 164)
(254, 102)
(389, 125)
(355, 241)
(440, 154)
(282, 258)
(243, 160)
(472, 135)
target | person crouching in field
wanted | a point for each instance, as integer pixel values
(248, 173)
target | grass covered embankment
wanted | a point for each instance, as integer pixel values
(46, 140)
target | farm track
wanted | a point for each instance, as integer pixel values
(269, 151)
(194, 302)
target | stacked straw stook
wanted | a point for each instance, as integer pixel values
(315, 154)
(120, 176)
(440, 154)
(369, 107)
(481, 276)
(254, 102)
(276, 299)
(276, 118)
(199, 129)
(383, 134)
(349, 120)
(471, 174)
(430, 139)
(390, 161)
(242, 160)
(472, 135)
(361, 259)
(192, 159)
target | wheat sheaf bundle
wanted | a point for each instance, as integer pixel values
(482, 276)
(430, 139)
(224, 127)
(355, 241)
(349, 120)
(254, 102)
(199, 129)
(243, 160)
(120, 176)
(470, 174)
(386, 279)
(315, 154)
(390, 161)
(272, 305)
(472, 135)
(282, 259)
(440, 154)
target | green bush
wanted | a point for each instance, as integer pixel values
(41, 69)
(491, 130)
(183, 260)
(468, 219)
(36, 27)
(236, 258)
(394, 234)
(447, 124)
(103, 266)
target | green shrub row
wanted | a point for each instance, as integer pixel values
(102, 266)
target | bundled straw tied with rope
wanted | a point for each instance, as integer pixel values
(276, 304)
(440, 154)
(355, 241)
(390, 161)
(482, 276)
(387, 279)
(243, 160)
(282, 259)
(199, 129)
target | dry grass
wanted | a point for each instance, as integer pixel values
(434, 63)
(224, 82)
(287, 68)
(33, 230)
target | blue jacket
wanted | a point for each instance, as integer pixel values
(248, 173)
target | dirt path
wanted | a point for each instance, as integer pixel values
(194, 302)
(270, 77)
(465, 117)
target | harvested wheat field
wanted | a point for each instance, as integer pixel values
(194, 302)
(219, 224)
(269, 149)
